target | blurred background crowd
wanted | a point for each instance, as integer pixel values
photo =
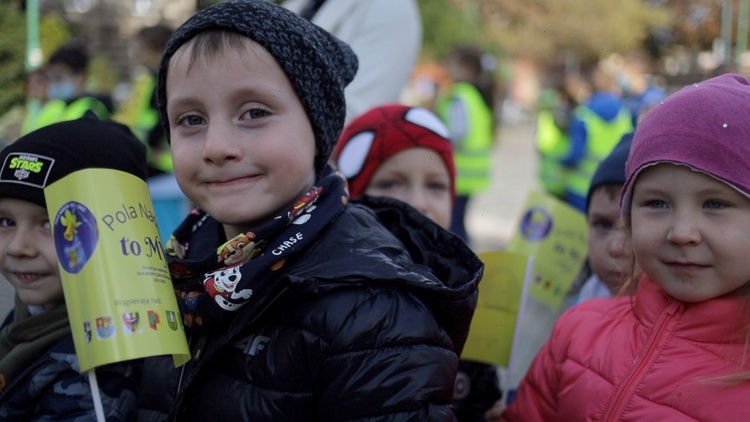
(536, 64)
(531, 47)
(557, 83)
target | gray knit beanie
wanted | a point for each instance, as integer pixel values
(318, 65)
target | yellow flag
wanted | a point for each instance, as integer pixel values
(119, 295)
(556, 235)
(501, 295)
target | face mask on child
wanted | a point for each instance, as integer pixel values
(64, 90)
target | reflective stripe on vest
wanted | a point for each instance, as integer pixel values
(55, 111)
(80, 106)
(473, 153)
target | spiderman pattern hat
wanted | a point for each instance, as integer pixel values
(384, 131)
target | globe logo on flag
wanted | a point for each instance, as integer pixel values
(536, 224)
(76, 235)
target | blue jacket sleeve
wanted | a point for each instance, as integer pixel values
(577, 142)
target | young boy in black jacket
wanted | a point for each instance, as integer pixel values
(298, 304)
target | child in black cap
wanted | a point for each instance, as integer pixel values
(298, 304)
(610, 254)
(39, 372)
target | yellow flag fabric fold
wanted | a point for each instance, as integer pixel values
(501, 296)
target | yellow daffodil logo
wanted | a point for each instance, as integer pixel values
(71, 225)
(76, 235)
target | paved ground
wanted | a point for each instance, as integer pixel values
(492, 215)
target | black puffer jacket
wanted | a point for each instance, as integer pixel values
(367, 327)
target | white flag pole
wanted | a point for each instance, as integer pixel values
(515, 351)
(96, 396)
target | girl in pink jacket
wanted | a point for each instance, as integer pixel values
(677, 350)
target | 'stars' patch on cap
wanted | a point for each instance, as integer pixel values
(26, 168)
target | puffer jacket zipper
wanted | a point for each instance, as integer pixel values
(642, 363)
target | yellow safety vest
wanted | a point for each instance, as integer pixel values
(473, 153)
(553, 144)
(602, 136)
(139, 115)
(33, 113)
(55, 111)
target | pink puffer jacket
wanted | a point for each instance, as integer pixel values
(655, 359)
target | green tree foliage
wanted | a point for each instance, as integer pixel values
(446, 23)
(54, 32)
(12, 50)
(543, 30)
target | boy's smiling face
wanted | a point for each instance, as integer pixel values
(27, 253)
(242, 143)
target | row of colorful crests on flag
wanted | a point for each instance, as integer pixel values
(524, 286)
(119, 295)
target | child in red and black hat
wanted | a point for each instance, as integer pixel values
(39, 373)
(403, 152)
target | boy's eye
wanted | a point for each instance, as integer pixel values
(194, 120)
(190, 120)
(255, 113)
(47, 225)
(6, 222)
